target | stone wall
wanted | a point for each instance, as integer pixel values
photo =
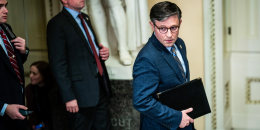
(123, 115)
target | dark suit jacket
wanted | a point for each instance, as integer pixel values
(10, 87)
(72, 61)
(155, 70)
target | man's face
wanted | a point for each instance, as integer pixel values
(74, 4)
(3, 11)
(171, 24)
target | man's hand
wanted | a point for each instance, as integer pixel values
(72, 106)
(12, 110)
(19, 44)
(186, 120)
(103, 52)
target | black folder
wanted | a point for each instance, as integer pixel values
(184, 96)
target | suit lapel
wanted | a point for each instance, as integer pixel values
(184, 57)
(6, 60)
(172, 63)
(77, 29)
(168, 57)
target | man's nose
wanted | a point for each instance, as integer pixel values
(5, 9)
(168, 33)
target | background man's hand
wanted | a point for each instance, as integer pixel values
(19, 44)
(72, 106)
(103, 52)
(12, 110)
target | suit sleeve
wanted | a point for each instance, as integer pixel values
(57, 51)
(145, 83)
(24, 56)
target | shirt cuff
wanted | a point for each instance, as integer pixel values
(3, 110)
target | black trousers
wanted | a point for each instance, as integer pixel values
(8, 124)
(92, 118)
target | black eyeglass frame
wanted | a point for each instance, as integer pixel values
(164, 30)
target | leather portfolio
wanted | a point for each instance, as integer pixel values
(190, 94)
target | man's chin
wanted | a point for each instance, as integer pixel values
(3, 21)
(168, 44)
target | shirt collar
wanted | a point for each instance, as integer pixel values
(74, 13)
(170, 48)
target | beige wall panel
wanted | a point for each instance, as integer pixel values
(27, 18)
(16, 17)
(245, 70)
(245, 81)
(36, 23)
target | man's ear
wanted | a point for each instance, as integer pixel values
(180, 22)
(151, 23)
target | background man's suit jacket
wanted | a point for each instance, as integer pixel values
(156, 70)
(10, 87)
(72, 61)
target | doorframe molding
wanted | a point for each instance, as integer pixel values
(214, 65)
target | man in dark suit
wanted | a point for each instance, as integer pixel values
(77, 61)
(13, 54)
(161, 64)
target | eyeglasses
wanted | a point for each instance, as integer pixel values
(165, 29)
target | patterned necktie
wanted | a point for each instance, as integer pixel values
(10, 53)
(100, 69)
(178, 61)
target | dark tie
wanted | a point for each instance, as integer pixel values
(100, 69)
(12, 58)
(178, 61)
